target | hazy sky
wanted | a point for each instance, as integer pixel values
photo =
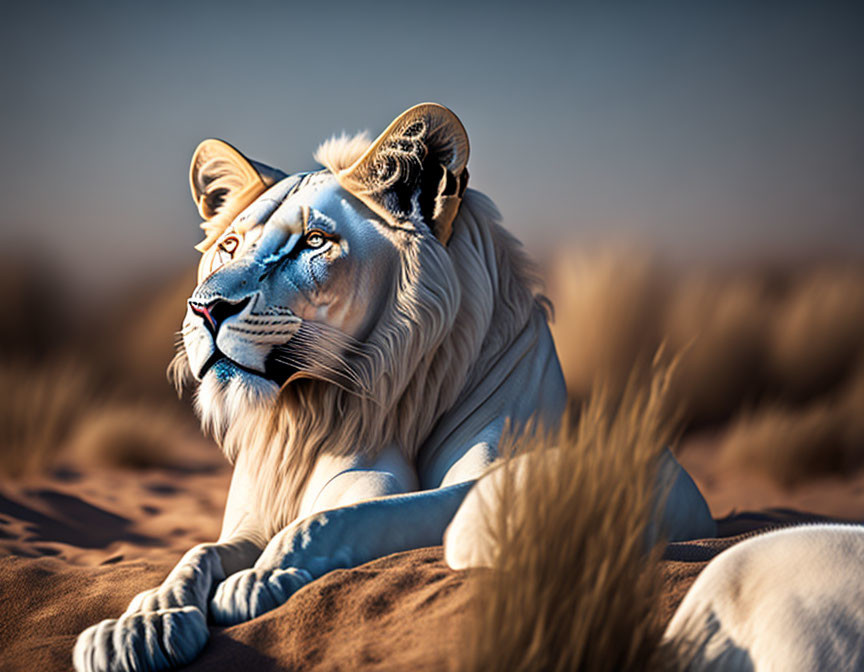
(695, 125)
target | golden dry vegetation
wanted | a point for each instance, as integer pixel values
(770, 360)
(85, 385)
(574, 588)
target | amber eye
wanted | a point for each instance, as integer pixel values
(315, 239)
(229, 245)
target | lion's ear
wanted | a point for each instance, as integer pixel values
(224, 182)
(415, 171)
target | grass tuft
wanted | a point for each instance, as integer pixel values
(574, 587)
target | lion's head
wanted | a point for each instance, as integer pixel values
(347, 305)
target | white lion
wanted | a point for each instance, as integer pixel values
(361, 336)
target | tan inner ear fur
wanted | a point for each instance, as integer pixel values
(223, 183)
(397, 157)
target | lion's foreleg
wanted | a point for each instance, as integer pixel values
(165, 626)
(340, 538)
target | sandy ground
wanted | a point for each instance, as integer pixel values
(76, 547)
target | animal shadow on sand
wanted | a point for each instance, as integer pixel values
(52, 516)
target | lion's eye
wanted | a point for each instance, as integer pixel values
(229, 245)
(315, 239)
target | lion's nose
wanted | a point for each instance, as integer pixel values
(216, 311)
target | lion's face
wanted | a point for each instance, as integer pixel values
(298, 270)
(306, 262)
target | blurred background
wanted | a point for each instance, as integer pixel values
(689, 174)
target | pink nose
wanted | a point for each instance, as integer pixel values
(205, 312)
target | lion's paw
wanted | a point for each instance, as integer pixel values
(155, 640)
(252, 592)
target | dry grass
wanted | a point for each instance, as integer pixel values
(132, 436)
(606, 316)
(574, 587)
(719, 327)
(84, 383)
(31, 309)
(39, 408)
(794, 445)
(769, 350)
(144, 333)
(818, 331)
(55, 414)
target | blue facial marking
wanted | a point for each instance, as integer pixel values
(224, 370)
(283, 251)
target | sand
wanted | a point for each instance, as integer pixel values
(75, 547)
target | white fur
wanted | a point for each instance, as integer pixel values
(341, 151)
(222, 405)
(790, 600)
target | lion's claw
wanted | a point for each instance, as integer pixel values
(252, 592)
(154, 640)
